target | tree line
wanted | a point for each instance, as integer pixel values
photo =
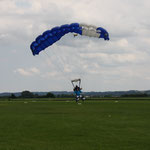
(28, 94)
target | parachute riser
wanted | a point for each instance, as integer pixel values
(76, 81)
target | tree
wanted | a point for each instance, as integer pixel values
(27, 94)
(50, 95)
(12, 96)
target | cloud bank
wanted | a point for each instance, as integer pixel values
(119, 64)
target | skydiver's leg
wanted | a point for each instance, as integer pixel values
(83, 98)
(77, 98)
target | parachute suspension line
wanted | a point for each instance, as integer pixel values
(62, 62)
(76, 73)
(59, 69)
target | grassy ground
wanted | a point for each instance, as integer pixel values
(65, 125)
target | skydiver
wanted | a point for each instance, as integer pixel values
(77, 91)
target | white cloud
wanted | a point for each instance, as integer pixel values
(27, 72)
(50, 74)
(34, 70)
(23, 72)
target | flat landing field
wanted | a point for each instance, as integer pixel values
(65, 125)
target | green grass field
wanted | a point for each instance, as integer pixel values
(65, 125)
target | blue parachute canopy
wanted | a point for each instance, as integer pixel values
(51, 36)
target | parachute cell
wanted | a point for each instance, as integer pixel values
(49, 37)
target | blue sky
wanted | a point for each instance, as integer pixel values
(119, 64)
